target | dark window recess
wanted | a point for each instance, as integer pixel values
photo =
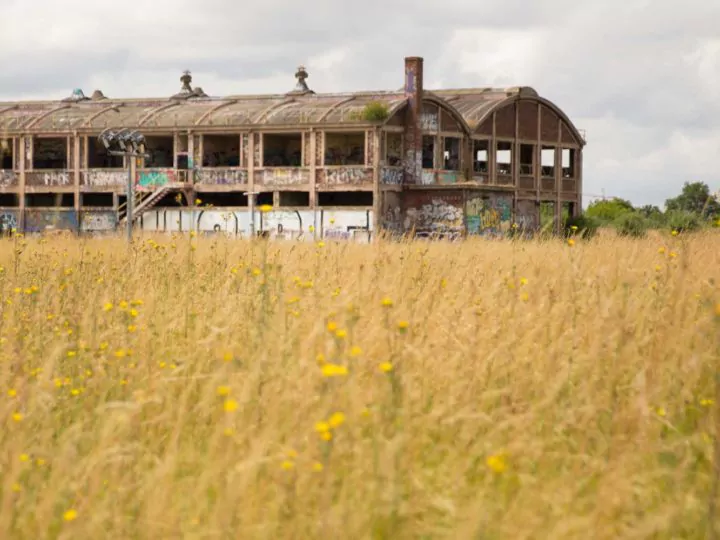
(161, 152)
(451, 154)
(223, 199)
(345, 198)
(282, 150)
(428, 152)
(96, 199)
(172, 200)
(345, 148)
(98, 157)
(221, 151)
(67, 200)
(40, 200)
(294, 198)
(9, 199)
(264, 198)
(527, 159)
(6, 154)
(50, 153)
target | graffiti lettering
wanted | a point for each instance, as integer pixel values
(348, 175)
(284, 176)
(439, 215)
(36, 178)
(41, 220)
(104, 178)
(489, 216)
(221, 177)
(391, 176)
(8, 178)
(8, 221)
(98, 221)
(153, 179)
(427, 178)
(429, 121)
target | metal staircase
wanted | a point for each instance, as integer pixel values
(143, 201)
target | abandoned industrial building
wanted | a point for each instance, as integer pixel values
(466, 161)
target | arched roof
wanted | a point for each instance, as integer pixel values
(477, 104)
(236, 111)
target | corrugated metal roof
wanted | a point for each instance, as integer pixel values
(165, 113)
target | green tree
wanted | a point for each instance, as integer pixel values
(655, 217)
(609, 210)
(695, 199)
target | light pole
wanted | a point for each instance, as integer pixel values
(251, 204)
(130, 144)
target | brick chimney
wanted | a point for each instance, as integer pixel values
(413, 127)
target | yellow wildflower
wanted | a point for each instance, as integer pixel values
(223, 390)
(355, 351)
(661, 251)
(123, 305)
(317, 466)
(12, 392)
(332, 326)
(70, 515)
(107, 307)
(660, 411)
(386, 367)
(387, 302)
(341, 334)
(334, 370)
(133, 312)
(230, 405)
(24, 458)
(227, 357)
(403, 325)
(496, 463)
(706, 402)
(336, 420)
(571, 242)
(17, 417)
(523, 281)
(322, 427)
(321, 244)
(265, 208)
(287, 465)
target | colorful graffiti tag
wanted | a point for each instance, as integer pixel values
(489, 216)
(155, 179)
(45, 220)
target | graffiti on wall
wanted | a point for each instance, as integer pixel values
(437, 216)
(284, 176)
(429, 121)
(528, 215)
(449, 177)
(8, 178)
(53, 178)
(229, 177)
(154, 179)
(104, 178)
(8, 220)
(98, 221)
(348, 175)
(427, 178)
(391, 176)
(489, 216)
(43, 220)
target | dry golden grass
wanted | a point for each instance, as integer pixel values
(491, 390)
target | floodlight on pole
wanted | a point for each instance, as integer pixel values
(131, 145)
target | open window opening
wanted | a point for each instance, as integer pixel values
(345, 148)
(50, 200)
(527, 159)
(9, 200)
(481, 156)
(393, 144)
(181, 152)
(221, 151)
(7, 154)
(160, 149)
(568, 162)
(547, 155)
(67, 200)
(428, 152)
(104, 200)
(282, 150)
(265, 198)
(345, 198)
(451, 154)
(294, 198)
(50, 153)
(99, 158)
(503, 159)
(223, 199)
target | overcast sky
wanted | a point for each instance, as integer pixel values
(641, 77)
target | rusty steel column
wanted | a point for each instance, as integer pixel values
(413, 127)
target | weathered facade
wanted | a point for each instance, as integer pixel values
(443, 161)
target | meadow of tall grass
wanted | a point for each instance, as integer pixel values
(205, 388)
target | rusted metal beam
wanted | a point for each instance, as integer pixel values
(213, 110)
(154, 112)
(37, 119)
